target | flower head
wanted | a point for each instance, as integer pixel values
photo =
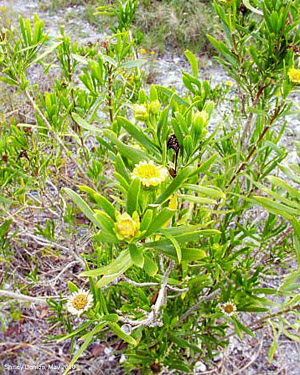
(294, 75)
(143, 51)
(228, 308)
(127, 227)
(79, 302)
(149, 174)
(229, 83)
(140, 112)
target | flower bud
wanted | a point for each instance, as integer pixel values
(199, 121)
(140, 112)
(154, 106)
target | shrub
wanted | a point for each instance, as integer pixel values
(179, 244)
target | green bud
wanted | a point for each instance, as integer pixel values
(154, 106)
(140, 112)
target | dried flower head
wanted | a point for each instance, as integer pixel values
(149, 174)
(79, 302)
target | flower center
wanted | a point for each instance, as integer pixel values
(148, 171)
(126, 227)
(228, 309)
(296, 75)
(80, 301)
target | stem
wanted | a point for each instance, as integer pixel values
(22, 297)
(261, 322)
(110, 84)
(254, 148)
(196, 307)
(152, 319)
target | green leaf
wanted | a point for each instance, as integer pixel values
(86, 210)
(104, 221)
(46, 53)
(72, 287)
(250, 7)
(204, 167)
(133, 196)
(224, 50)
(118, 331)
(123, 261)
(160, 220)
(150, 266)
(176, 246)
(147, 219)
(4, 228)
(75, 332)
(206, 190)
(82, 60)
(297, 245)
(170, 94)
(129, 152)
(175, 184)
(181, 366)
(241, 327)
(84, 124)
(136, 255)
(132, 64)
(138, 135)
(106, 237)
(101, 201)
(195, 199)
(107, 279)
(193, 61)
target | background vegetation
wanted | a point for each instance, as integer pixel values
(159, 24)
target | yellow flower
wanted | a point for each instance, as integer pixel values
(149, 174)
(294, 75)
(229, 83)
(228, 308)
(143, 51)
(152, 53)
(131, 79)
(127, 227)
(140, 112)
(79, 302)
